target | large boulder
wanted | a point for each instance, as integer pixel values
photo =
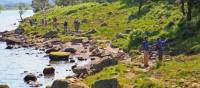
(105, 62)
(68, 83)
(58, 56)
(60, 83)
(71, 50)
(4, 86)
(12, 41)
(30, 77)
(108, 83)
(49, 70)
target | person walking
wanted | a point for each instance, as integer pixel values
(146, 51)
(159, 47)
(66, 26)
(76, 25)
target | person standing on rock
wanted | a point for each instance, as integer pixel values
(66, 26)
(146, 51)
(159, 47)
(76, 25)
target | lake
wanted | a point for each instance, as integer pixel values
(17, 63)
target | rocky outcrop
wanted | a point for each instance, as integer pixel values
(4, 86)
(49, 70)
(58, 56)
(68, 83)
(108, 83)
(30, 77)
(95, 67)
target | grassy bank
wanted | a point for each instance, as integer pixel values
(181, 71)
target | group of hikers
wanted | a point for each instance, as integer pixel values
(159, 47)
(55, 24)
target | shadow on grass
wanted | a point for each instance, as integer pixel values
(139, 14)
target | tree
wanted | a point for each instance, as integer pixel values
(22, 9)
(40, 5)
(189, 7)
(139, 3)
(183, 6)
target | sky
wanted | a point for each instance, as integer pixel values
(3, 2)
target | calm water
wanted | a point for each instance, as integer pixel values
(10, 17)
(16, 62)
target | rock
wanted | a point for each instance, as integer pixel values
(48, 86)
(12, 41)
(91, 31)
(91, 48)
(108, 83)
(19, 30)
(195, 85)
(105, 62)
(77, 40)
(96, 52)
(51, 50)
(119, 35)
(81, 71)
(58, 56)
(104, 24)
(60, 83)
(49, 70)
(4, 86)
(68, 83)
(71, 50)
(128, 31)
(72, 61)
(30, 77)
(80, 58)
(93, 58)
(50, 34)
(9, 47)
(110, 13)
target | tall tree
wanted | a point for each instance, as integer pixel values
(40, 5)
(189, 7)
(22, 9)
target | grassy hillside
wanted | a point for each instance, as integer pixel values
(155, 20)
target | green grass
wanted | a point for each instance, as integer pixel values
(181, 69)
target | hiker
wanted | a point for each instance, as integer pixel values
(76, 25)
(65, 26)
(55, 24)
(159, 47)
(146, 51)
(43, 22)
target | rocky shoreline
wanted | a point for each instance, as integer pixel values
(81, 48)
